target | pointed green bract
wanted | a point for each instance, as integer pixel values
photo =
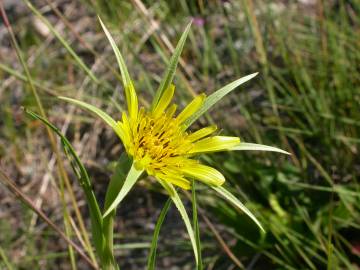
(103, 115)
(130, 93)
(216, 96)
(131, 178)
(181, 208)
(152, 254)
(171, 69)
(257, 147)
(123, 69)
(231, 198)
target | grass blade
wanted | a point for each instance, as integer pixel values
(63, 42)
(27, 201)
(257, 147)
(152, 254)
(181, 208)
(196, 226)
(171, 69)
(63, 177)
(85, 183)
(216, 96)
(231, 198)
(5, 260)
(131, 178)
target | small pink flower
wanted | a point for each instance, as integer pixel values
(199, 21)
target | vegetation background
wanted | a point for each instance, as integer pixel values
(306, 100)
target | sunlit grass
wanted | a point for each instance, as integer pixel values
(305, 99)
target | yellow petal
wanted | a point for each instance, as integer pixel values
(126, 123)
(132, 101)
(171, 110)
(203, 173)
(201, 133)
(176, 180)
(214, 144)
(121, 132)
(164, 101)
(191, 108)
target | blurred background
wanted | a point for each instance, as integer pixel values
(305, 100)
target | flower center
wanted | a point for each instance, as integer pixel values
(157, 140)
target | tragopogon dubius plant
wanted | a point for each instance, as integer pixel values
(159, 142)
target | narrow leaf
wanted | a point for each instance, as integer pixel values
(82, 175)
(257, 147)
(216, 96)
(130, 181)
(181, 208)
(5, 259)
(152, 254)
(231, 198)
(103, 115)
(196, 225)
(123, 69)
(171, 69)
(63, 42)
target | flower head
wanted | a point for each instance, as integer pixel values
(159, 142)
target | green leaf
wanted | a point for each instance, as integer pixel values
(123, 69)
(231, 198)
(181, 208)
(196, 226)
(103, 115)
(5, 259)
(152, 254)
(171, 69)
(82, 175)
(216, 96)
(130, 181)
(257, 147)
(116, 182)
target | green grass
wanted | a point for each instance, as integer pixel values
(305, 100)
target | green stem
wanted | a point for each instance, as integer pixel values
(119, 184)
(108, 231)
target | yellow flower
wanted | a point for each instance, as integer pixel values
(159, 142)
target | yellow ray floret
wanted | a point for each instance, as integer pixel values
(159, 143)
(214, 144)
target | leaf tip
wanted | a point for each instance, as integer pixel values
(189, 24)
(252, 75)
